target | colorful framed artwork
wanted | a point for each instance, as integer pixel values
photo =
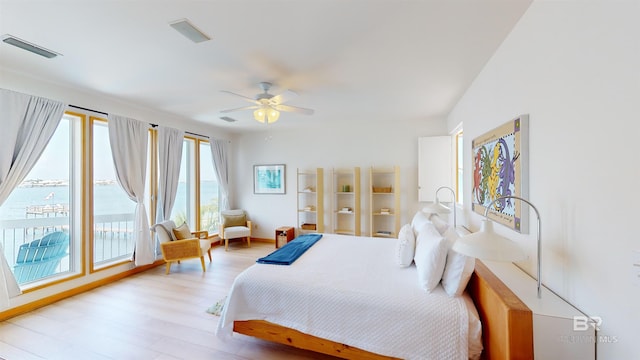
(500, 168)
(269, 179)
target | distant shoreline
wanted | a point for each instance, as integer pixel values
(31, 183)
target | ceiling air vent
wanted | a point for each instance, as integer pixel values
(228, 119)
(184, 27)
(25, 45)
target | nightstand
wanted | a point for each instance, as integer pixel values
(284, 234)
(558, 329)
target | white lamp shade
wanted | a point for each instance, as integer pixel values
(259, 115)
(272, 115)
(486, 244)
(267, 114)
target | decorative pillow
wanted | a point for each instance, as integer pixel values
(182, 232)
(458, 268)
(418, 221)
(430, 257)
(229, 220)
(406, 248)
(170, 235)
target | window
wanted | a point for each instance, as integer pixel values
(47, 205)
(197, 188)
(459, 167)
(113, 211)
(209, 214)
(184, 205)
(54, 197)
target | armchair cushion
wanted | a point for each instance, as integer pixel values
(182, 232)
(236, 232)
(230, 220)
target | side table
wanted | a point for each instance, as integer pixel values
(284, 234)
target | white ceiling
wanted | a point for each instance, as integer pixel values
(364, 60)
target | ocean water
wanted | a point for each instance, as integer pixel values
(108, 199)
(22, 217)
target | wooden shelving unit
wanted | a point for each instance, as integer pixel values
(384, 201)
(345, 201)
(310, 200)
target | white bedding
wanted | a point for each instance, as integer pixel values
(349, 290)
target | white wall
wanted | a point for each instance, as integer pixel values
(102, 102)
(575, 68)
(348, 146)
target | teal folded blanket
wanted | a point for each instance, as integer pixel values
(289, 253)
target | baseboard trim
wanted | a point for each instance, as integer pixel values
(216, 241)
(263, 240)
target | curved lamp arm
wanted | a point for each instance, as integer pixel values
(539, 271)
(437, 207)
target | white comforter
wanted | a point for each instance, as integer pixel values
(349, 290)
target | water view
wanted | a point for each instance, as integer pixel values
(40, 207)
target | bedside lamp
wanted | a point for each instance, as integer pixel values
(437, 207)
(486, 244)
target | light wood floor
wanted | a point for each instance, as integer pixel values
(146, 316)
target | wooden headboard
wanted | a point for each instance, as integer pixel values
(507, 325)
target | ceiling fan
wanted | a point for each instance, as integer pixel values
(268, 106)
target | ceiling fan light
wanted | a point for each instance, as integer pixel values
(272, 115)
(259, 115)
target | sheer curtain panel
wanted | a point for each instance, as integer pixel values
(28, 122)
(219, 153)
(169, 157)
(129, 142)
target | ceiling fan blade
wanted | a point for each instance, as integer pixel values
(252, 107)
(242, 96)
(282, 98)
(294, 109)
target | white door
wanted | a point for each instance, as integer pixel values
(435, 168)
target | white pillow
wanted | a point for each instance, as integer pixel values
(440, 223)
(418, 221)
(406, 248)
(430, 257)
(458, 268)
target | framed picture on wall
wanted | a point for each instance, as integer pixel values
(269, 179)
(501, 168)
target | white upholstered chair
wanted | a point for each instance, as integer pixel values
(234, 224)
(174, 249)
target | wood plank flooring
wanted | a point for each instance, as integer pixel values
(146, 316)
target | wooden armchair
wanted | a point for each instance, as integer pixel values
(234, 225)
(178, 243)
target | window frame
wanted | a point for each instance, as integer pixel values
(459, 164)
(77, 206)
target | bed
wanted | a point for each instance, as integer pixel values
(313, 304)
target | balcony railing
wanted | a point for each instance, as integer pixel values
(112, 236)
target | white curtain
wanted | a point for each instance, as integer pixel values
(28, 122)
(129, 139)
(219, 153)
(169, 157)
